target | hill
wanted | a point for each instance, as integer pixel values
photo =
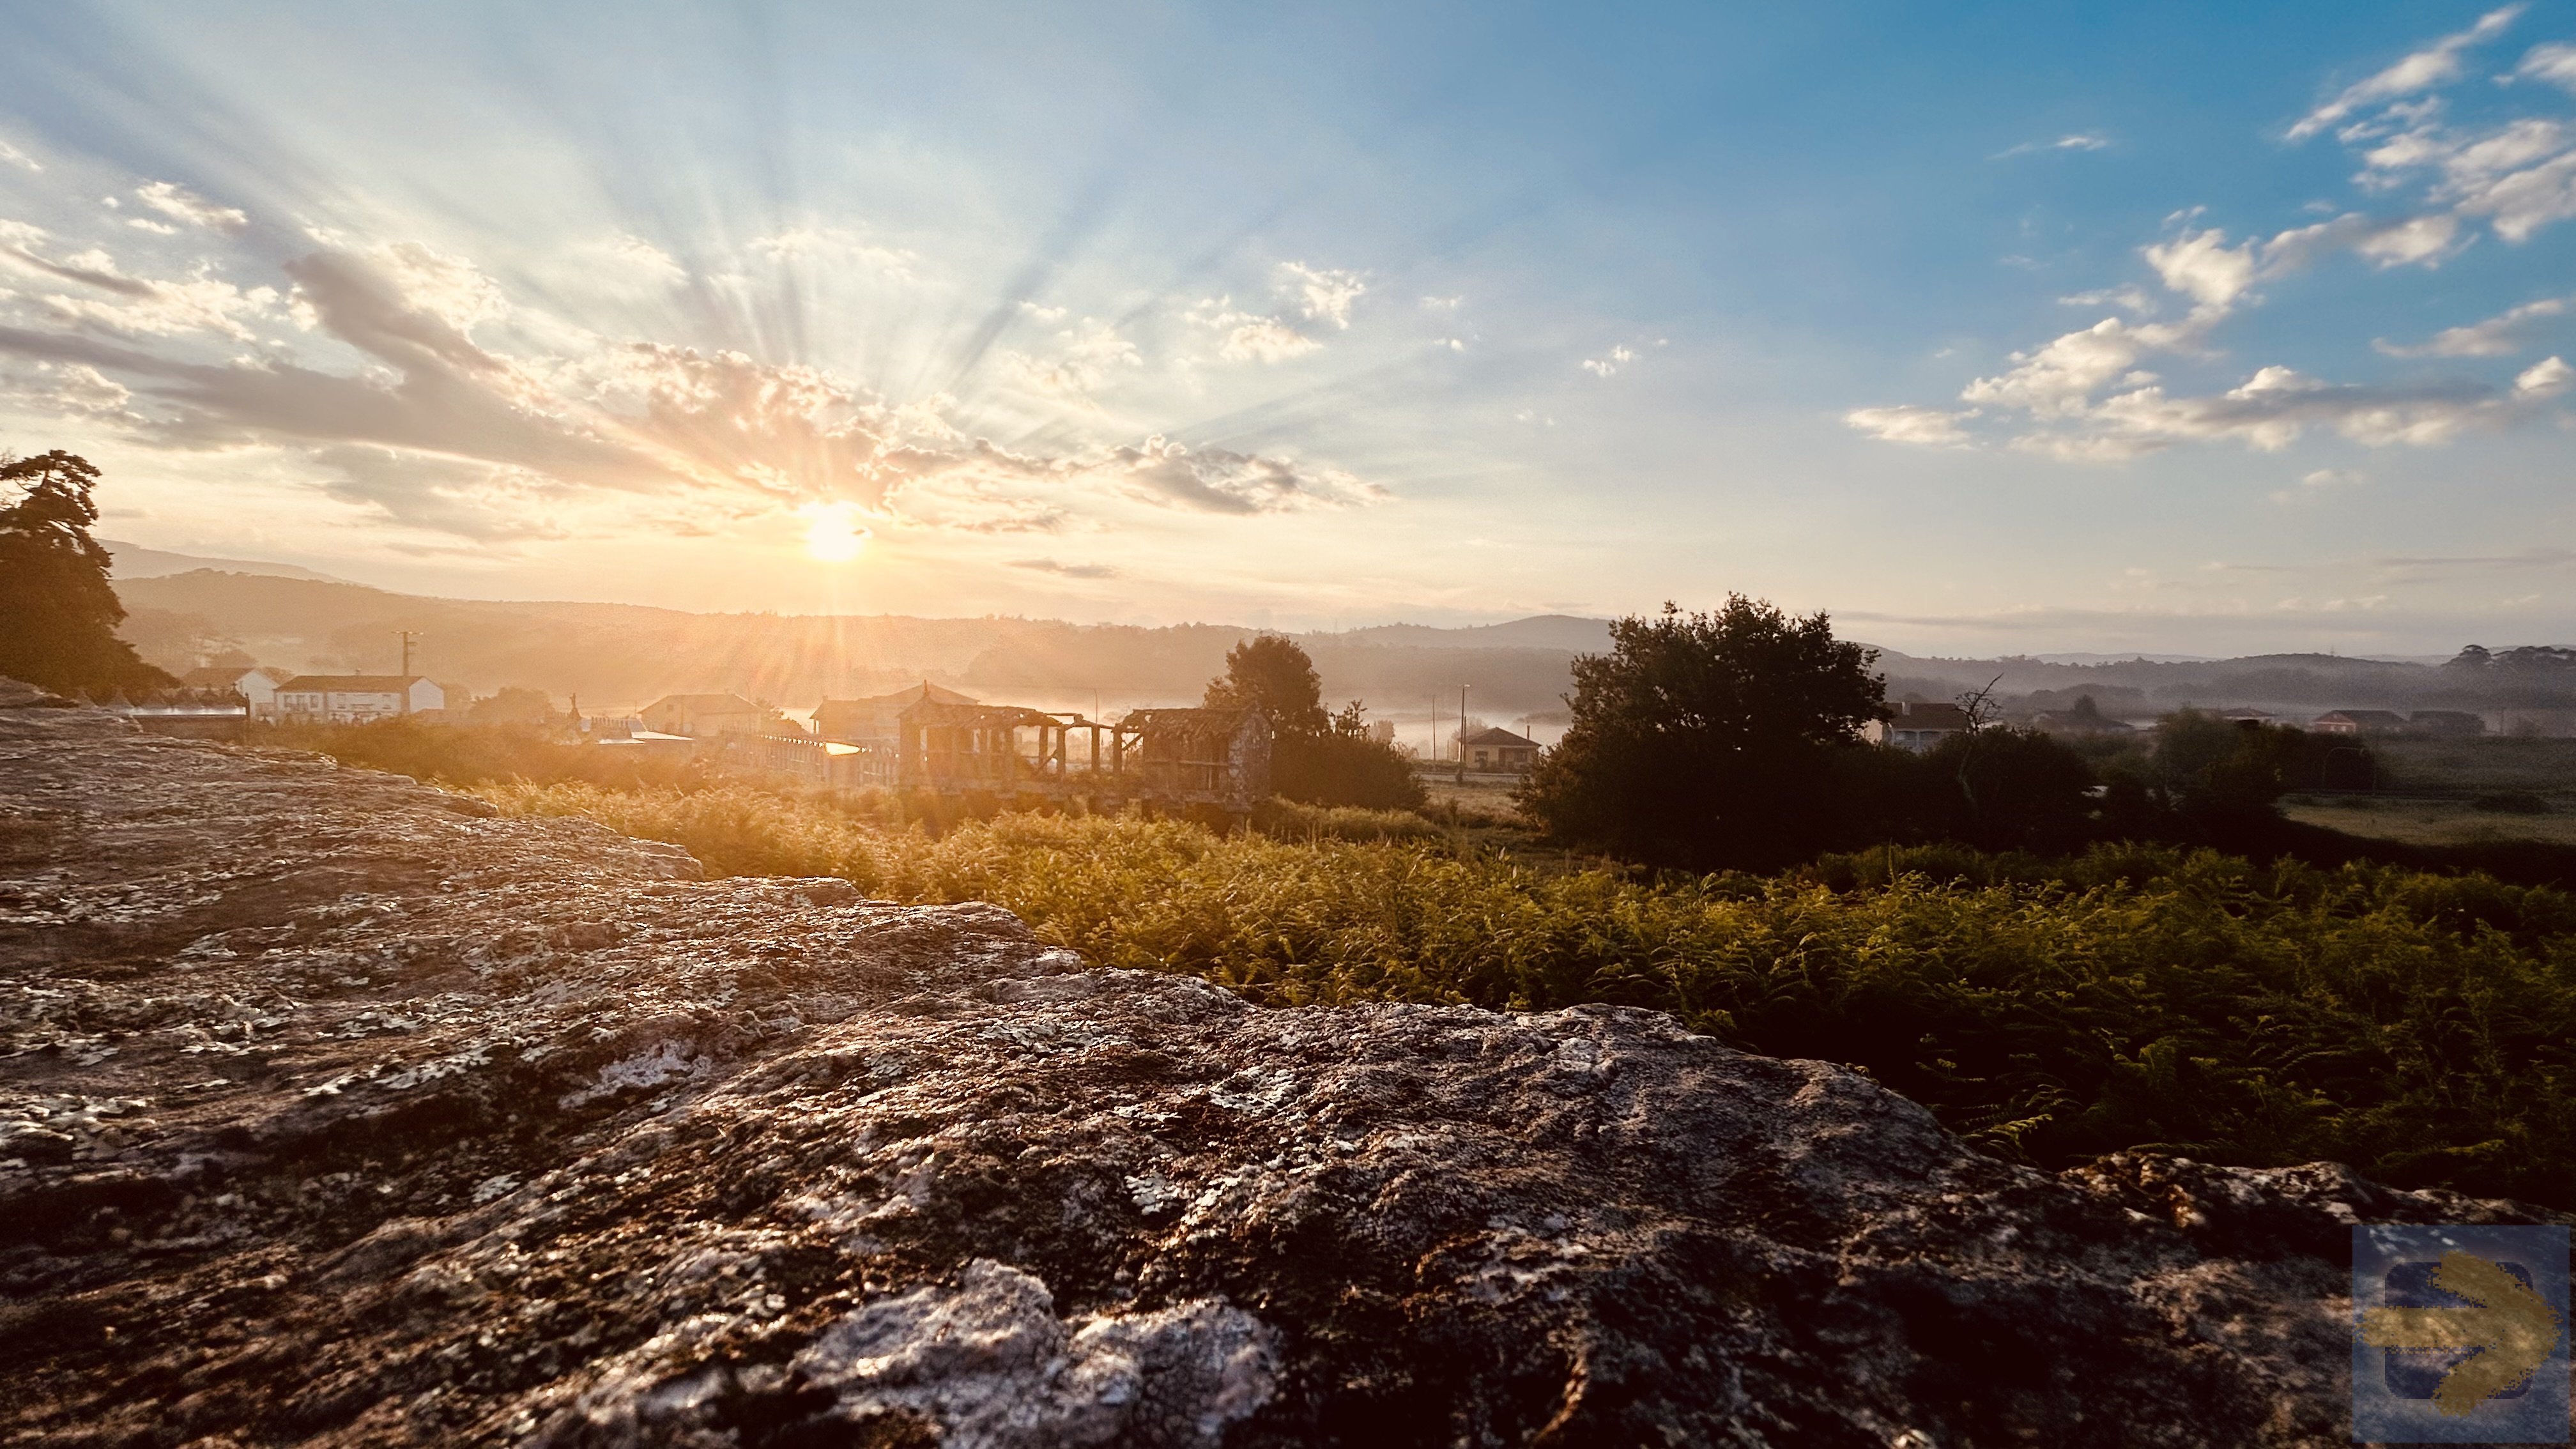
(625, 654)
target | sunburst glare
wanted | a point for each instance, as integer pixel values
(833, 533)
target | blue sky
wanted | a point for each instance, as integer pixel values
(1989, 329)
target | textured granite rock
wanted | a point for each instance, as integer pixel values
(334, 1110)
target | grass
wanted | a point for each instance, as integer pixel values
(2417, 1026)
(2485, 763)
(2418, 820)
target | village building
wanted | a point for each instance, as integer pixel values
(2243, 715)
(2084, 717)
(1918, 725)
(256, 685)
(1499, 749)
(702, 715)
(878, 718)
(2359, 722)
(2448, 723)
(357, 698)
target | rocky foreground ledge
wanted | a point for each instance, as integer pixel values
(334, 1110)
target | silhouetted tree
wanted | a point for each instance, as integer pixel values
(1270, 673)
(58, 616)
(1708, 740)
(2014, 790)
(1315, 758)
(2219, 770)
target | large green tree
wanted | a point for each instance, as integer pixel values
(58, 616)
(1708, 740)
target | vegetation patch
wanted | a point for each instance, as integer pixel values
(2421, 1027)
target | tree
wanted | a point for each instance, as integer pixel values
(516, 704)
(2015, 790)
(2217, 770)
(58, 615)
(1343, 766)
(1270, 673)
(1708, 740)
(1315, 758)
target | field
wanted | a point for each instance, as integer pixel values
(2422, 820)
(2458, 792)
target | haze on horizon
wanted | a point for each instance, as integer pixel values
(1992, 329)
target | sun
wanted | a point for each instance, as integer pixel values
(833, 533)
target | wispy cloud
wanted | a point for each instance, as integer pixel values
(2080, 141)
(1250, 336)
(1322, 295)
(2502, 335)
(2554, 63)
(1609, 364)
(2437, 64)
(180, 204)
(12, 156)
(1924, 427)
(1065, 570)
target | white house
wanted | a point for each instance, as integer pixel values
(357, 698)
(1918, 726)
(257, 685)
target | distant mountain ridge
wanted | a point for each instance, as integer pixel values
(134, 561)
(628, 654)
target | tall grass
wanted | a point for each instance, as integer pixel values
(2417, 1026)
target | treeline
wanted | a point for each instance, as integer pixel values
(1731, 740)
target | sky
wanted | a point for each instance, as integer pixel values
(1989, 329)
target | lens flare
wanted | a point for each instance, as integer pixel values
(833, 533)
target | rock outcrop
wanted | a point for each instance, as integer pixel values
(333, 1109)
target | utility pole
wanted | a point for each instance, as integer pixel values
(1462, 734)
(409, 637)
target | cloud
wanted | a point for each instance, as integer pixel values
(2081, 141)
(2554, 63)
(1090, 353)
(2502, 335)
(841, 245)
(134, 305)
(1925, 427)
(1215, 480)
(1323, 296)
(1922, 426)
(79, 390)
(404, 380)
(2276, 405)
(1609, 366)
(2133, 298)
(11, 155)
(2312, 485)
(1065, 570)
(2204, 268)
(1248, 337)
(180, 204)
(1441, 304)
(2436, 65)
